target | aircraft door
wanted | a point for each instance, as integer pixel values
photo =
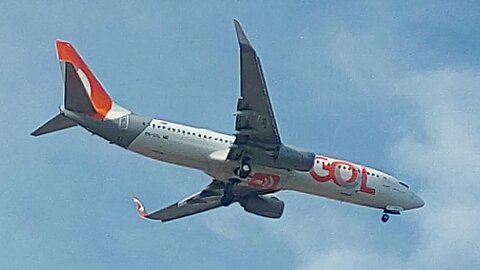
(123, 122)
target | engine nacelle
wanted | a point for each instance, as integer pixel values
(291, 158)
(265, 206)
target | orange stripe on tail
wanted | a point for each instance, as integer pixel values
(101, 101)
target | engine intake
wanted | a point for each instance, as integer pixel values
(265, 206)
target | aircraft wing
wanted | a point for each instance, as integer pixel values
(255, 123)
(207, 199)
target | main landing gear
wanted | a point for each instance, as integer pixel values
(244, 170)
(228, 195)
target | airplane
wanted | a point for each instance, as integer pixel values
(246, 167)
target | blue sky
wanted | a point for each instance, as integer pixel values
(393, 85)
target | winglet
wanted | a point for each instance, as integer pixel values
(241, 36)
(140, 209)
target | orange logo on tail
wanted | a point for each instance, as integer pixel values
(101, 101)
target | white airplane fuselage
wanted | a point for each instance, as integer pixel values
(206, 150)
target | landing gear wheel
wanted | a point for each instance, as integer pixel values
(385, 218)
(228, 195)
(244, 170)
(227, 199)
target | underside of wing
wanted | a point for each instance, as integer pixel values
(257, 137)
(255, 121)
(217, 194)
(207, 199)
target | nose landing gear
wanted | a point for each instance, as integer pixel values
(393, 210)
(385, 217)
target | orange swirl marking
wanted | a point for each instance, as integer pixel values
(264, 181)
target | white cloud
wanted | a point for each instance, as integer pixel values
(225, 224)
(446, 164)
(436, 146)
(350, 259)
(442, 164)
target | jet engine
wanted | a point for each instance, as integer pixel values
(265, 206)
(291, 158)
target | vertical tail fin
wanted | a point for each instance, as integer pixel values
(83, 92)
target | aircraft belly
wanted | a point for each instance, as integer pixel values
(172, 150)
(264, 178)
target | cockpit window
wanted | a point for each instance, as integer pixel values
(403, 184)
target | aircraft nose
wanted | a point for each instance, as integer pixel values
(417, 201)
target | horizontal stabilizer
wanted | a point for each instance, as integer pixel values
(58, 122)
